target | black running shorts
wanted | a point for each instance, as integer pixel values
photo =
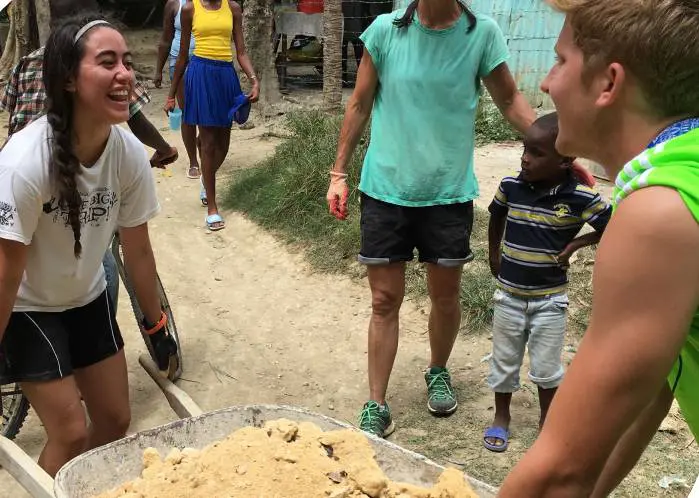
(41, 346)
(391, 233)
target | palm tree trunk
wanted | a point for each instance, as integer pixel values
(332, 55)
(43, 20)
(19, 40)
(258, 18)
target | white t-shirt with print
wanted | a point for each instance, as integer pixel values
(117, 191)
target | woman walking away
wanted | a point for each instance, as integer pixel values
(212, 90)
(67, 182)
(168, 51)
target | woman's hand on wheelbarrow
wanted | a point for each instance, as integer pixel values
(164, 346)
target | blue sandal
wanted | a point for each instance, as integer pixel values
(214, 222)
(500, 434)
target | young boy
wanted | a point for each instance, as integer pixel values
(540, 213)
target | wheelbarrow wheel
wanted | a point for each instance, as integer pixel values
(174, 374)
(14, 408)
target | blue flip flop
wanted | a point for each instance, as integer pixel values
(215, 218)
(499, 434)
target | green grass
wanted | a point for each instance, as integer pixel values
(580, 290)
(286, 193)
(492, 127)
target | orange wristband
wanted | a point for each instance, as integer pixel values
(158, 326)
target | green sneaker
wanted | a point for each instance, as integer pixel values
(376, 419)
(441, 399)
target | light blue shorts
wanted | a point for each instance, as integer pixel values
(538, 324)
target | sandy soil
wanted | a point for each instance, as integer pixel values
(283, 459)
(258, 326)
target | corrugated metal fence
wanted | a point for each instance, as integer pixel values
(531, 28)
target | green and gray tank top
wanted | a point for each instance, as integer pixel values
(672, 160)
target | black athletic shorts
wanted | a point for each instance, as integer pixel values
(40, 346)
(391, 233)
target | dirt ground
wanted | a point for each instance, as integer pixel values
(258, 326)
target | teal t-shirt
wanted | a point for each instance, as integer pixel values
(423, 121)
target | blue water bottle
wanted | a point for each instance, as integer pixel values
(175, 117)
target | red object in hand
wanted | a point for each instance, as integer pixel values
(310, 6)
(338, 193)
(582, 174)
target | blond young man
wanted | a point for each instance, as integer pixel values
(629, 103)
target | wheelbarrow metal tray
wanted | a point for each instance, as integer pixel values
(110, 466)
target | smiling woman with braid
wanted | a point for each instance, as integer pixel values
(68, 181)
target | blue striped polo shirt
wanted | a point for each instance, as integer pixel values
(540, 224)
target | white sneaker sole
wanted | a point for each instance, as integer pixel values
(442, 413)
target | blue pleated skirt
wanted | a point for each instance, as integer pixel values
(211, 88)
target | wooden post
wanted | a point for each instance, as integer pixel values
(332, 55)
(258, 16)
(19, 39)
(43, 20)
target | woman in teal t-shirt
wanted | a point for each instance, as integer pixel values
(420, 74)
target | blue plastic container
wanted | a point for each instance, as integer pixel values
(175, 117)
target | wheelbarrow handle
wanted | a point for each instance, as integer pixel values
(25, 470)
(179, 401)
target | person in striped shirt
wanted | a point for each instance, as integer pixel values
(540, 213)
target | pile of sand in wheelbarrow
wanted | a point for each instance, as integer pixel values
(282, 460)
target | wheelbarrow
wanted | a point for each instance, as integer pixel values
(111, 465)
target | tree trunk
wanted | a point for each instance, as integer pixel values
(19, 40)
(258, 16)
(43, 20)
(332, 55)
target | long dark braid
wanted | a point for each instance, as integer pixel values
(407, 18)
(65, 168)
(61, 63)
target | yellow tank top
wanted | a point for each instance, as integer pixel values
(212, 31)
